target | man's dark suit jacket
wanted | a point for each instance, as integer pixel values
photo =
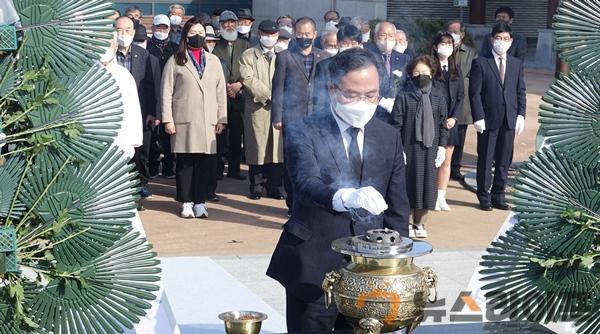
(292, 87)
(145, 69)
(398, 62)
(318, 167)
(492, 101)
(518, 49)
(321, 98)
(232, 63)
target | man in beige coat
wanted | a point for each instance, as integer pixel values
(263, 143)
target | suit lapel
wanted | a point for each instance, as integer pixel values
(492, 63)
(318, 58)
(297, 57)
(190, 66)
(333, 138)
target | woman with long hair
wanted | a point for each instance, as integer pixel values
(194, 111)
(450, 79)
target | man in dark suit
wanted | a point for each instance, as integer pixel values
(229, 49)
(518, 48)
(145, 69)
(392, 63)
(293, 82)
(337, 164)
(498, 104)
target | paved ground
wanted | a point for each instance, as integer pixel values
(239, 226)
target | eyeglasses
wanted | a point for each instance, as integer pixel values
(352, 97)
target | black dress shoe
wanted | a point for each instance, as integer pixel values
(214, 198)
(275, 195)
(457, 177)
(485, 207)
(255, 195)
(501, 206)
(238, 176)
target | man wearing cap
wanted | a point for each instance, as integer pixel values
(245, 21)
(284, 40)
(263, 143)
(229, 49)
(162, 48)
(211, 38)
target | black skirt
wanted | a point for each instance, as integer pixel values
(453, 137)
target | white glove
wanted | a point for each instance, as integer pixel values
(387, 104)
(404, 157)
(367, 198)
(441, 156)
(520, 126)
(480, 125)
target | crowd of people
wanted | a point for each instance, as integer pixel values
(213, 93)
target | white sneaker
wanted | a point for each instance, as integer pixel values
(186, 211)
(420, 231)
(411, 231)
(437, 205)
(200, 211)
(443, 204)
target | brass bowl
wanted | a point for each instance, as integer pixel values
(242, 322)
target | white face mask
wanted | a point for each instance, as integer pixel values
(229, 35)
(357, 114)
(140, 44)
(400, 48)
(332, 51)
(268, 41)
(161, 36)
(244, 29)
(124, 41)
(444, 50)
(501, 47)
(175, 20)
(386, 46)
(210, 48)
(108, 56)
(330, 26)
(457, 39)
(280, 47)
(288, 29)
(366, 37)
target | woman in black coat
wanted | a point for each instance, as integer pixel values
(420, 113)
(452, 83)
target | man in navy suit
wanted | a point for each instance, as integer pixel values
(293, 83)
(518, 48)
(498, 104)
(392, 63)
(337, 163)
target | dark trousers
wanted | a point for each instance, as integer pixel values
(289, 189)
(141, 157)
(194, 172)
(235, 128)
(161, 143)
(267, 176)
(458, 150)
(493, 146)
(312, 317)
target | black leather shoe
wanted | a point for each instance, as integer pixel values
(238, 176)
(485, 207)
(501, 206)
(457, 177)
(275, 195)
(214, 199)
(255, 195)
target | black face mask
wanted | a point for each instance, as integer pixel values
(422, 81)
(196, 41)
(304, 43)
